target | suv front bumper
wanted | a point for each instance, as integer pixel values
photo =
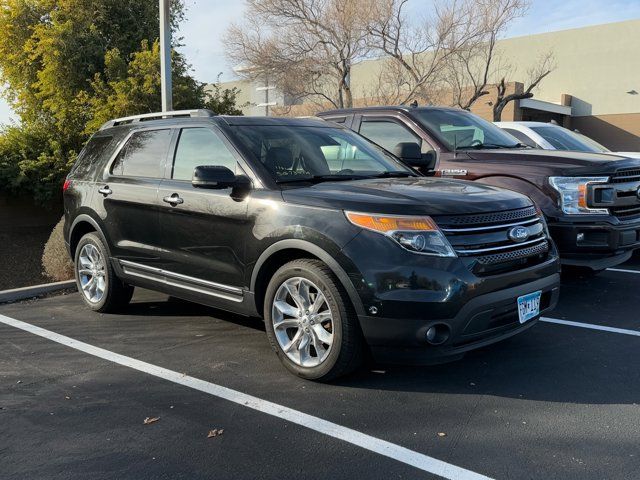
(484, 320)
(597, 245)
(404, 294)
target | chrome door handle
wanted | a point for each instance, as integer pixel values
(105, 190)
(173, 199)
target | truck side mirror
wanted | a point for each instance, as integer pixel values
(410, 153)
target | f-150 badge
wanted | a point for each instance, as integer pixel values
(452, 172)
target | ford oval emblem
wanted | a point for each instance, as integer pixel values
(519, 234)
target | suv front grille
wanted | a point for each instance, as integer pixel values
(484, 239)
(485, 219)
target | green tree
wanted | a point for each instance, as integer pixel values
(224, 101)
(69, 66)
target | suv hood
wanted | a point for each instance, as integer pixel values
(407, 196)
(558, 162)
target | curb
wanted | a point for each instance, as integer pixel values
(35, 291)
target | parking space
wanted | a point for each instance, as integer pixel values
(555, 402)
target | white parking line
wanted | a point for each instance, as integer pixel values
(591, 326)
(359, 439)
(622, 270)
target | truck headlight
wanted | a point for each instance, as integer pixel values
(418, 234)
(573, 194)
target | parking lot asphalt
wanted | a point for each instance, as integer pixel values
(558, 402)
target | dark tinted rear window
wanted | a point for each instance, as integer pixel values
(92, 153)
(143, 154)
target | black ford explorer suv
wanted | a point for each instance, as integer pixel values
(591, 201)
(335, 243)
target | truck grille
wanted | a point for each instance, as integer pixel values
(626, 182)
(627, 175)
(484, 241)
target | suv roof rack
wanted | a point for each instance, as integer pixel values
(157, 116)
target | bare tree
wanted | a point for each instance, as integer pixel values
(415, 54)
(472, 67)
(536, 74)
(306, 47)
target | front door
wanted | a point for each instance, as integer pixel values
(203, 231)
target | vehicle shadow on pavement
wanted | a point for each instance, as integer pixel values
(175, 307)
(549, 363)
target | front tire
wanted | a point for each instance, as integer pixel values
(311, 323)
(100, 288)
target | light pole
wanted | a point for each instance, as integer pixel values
(165, 55)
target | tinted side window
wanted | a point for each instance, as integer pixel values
(521, 136)
(387, 133)
(94, 150)
(200, 146)
(143, 154)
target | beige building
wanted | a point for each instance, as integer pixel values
(595, 87)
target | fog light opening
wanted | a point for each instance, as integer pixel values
(437, 334)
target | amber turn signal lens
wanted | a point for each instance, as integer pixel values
(582, 195)
(384, 224)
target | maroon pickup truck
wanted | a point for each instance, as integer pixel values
(591, 201)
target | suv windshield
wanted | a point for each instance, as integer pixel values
(459, 130)
(563, 139)
(307, 153)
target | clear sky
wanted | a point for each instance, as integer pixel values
(208, 19)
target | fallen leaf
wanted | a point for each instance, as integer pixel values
(215, 432)
(442, 434)
(150, 420)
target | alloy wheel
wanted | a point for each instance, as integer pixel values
(91, 273)
(302, 322)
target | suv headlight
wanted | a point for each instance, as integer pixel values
(418, 234)
(573, 194)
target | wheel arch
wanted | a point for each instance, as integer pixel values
(285, 251)
(82, 225)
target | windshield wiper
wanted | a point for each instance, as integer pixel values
(393, 174)
(479, 146)
(322, 178)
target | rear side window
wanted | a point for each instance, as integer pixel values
(387, 133)
(143, 155)
(200, 146)
(93, 152)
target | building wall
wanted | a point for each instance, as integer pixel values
(596, 65)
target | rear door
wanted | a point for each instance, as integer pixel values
(203, 231)
(126, 195)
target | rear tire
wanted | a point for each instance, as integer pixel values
(319, 326)
(100, 288)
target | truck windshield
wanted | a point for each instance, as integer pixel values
(563, 139)
(293, 153)
(460, 130)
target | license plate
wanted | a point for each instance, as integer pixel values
(529, 306)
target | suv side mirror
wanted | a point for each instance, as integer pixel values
(214, 177)
(410, 153)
